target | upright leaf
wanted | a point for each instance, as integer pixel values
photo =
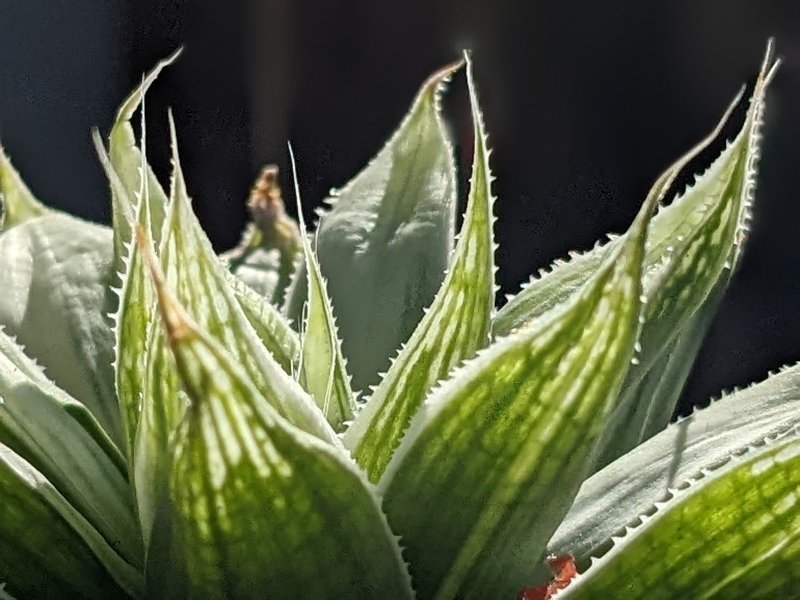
(241, 473)
(631, 486)
(201, 281)
(497, 453)
(47, 549)
(693, 245)
(60, 438)
(322, 372)
(454, 327)
(136, 304)
(129, 163)
(733, 533)
(54, 276)
(385, 242)
(17, 203)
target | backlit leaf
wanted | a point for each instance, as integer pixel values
(454, 327)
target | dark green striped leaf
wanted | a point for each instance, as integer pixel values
(47, 549)
(732, 533)
(242, 474)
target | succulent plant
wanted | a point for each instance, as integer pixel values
(178, 424)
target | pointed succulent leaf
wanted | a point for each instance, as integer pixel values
(454, 327)
(696, 265)
(47, 549)
(129, 163)
(734, 532)
(508, 438)
(270, 249)
(385, 242)
(136, 305)
(201, 281)
(54, 275)
(322, 367)
(617, 495)
(241, 472)
(17, 203)
(60, 438)
(693, 245)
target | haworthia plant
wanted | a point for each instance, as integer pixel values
(167, 431)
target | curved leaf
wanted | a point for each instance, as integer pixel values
(47, 549)
(385, 242)
(322, 367)
(507, 440)
(617, 495)
(241, 473)
(733, 533)
(17, 203)
(693, 245)
(54, 273)
(454, 327)
(201, 282)
(60, 438)
(129, 163)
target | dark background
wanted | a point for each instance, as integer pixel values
(586, 103)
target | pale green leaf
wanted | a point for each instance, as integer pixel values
(385, 242)
(54, 273)
(241, 473)
(60, 438)
(47, 549)
(129, 163)
(136, 305)
(322, 367)
(732, 533)
(17, 203)
(201, 281)
(629, 487)
(270, 325)
(693, 245)
(454, 327)
(495, 456)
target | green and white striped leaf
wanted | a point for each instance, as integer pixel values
(54, 276)
(454, 327)
(386, 240)
(17, 203)
(241, 473)
(201, 281)
(497, 453)
(270, 325)
(47, 549)
(617, 495)
(129, 163)
(732, 533)
(693, 245)
(136, 304)
(60, 438)
(323, 372)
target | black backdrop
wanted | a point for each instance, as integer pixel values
(586, 102)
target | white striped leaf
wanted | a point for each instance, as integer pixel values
(17, 203)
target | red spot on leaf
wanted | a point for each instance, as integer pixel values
(564, 570)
